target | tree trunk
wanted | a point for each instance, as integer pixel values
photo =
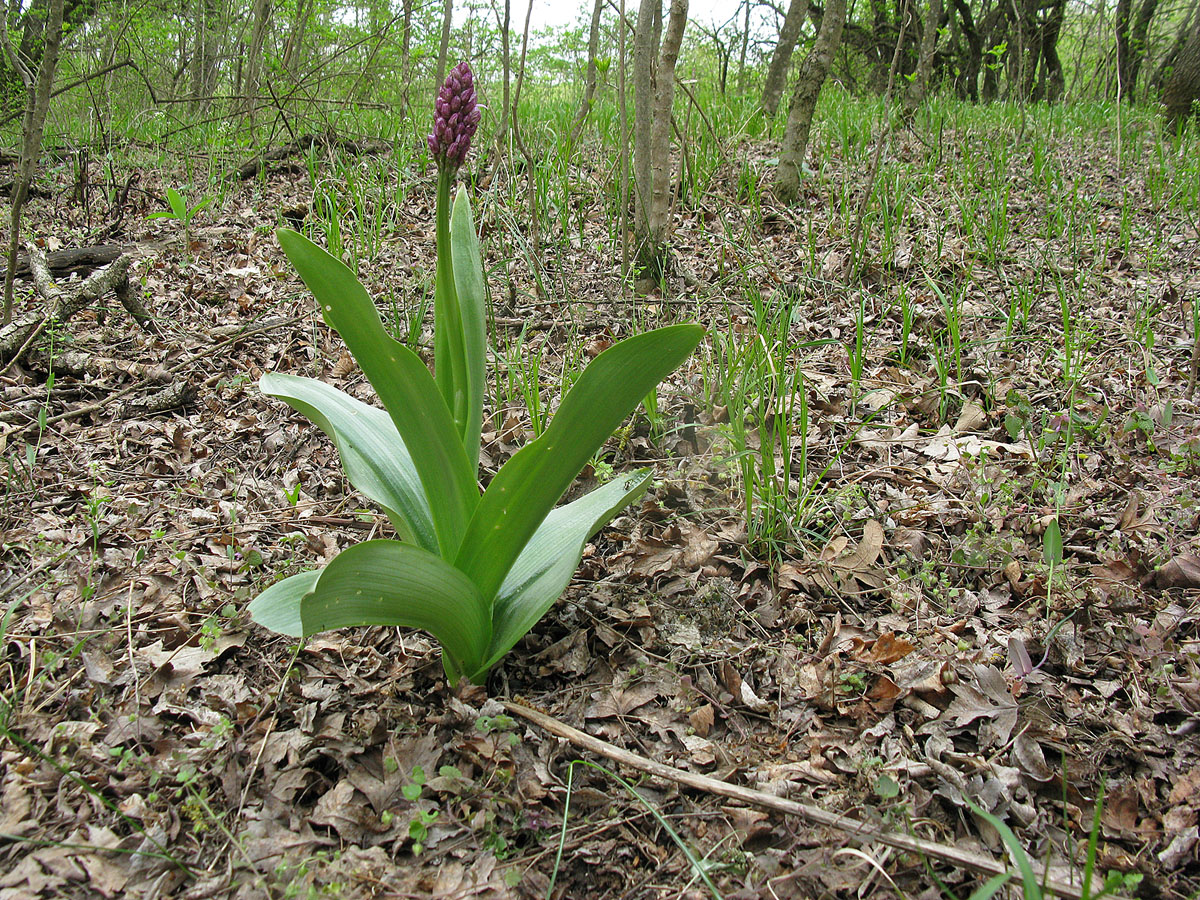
(1182, 87)
(1121, 33)
(654, 86)
(293, 49)
(919, 86)
(37, 105)
(972, 62)
(589, 88)
(1139, 44)
(623, 110)
(745, 47)
(262, 17)
(506, 63)
(644, 48)
(813, 72)
(781, 57)
(444, 46)
(204, 63)
(31, 24)
(880, 29)
(1052, 84)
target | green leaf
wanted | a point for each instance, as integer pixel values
(177, 205)
(278, 607)
(472, 295)
(526, 488)
(390, 583)
(1031, 889)
(1052, 547)
(449, 357)
(403, 383)
(548, 562)
(376, 460)
(991, 887)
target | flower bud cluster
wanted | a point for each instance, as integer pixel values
(456, 116)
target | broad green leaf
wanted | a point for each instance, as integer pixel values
(403, 383)
(526, 488)
(472, 294)
(548, 562)
(278, 607)
(376, 460)
(390, 583)
(449, 356)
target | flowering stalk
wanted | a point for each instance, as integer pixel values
(456, 335)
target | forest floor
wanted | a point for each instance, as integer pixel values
(979, 583)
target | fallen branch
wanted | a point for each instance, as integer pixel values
(857, 829)
(76, 259)
(303, 144)
(31, 421)
(17, 337)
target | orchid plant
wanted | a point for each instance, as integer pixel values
(477, 571)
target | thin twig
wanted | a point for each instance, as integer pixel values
(855, 828)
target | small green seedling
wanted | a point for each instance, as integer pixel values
(181, 212)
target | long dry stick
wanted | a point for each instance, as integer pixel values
(863, 831)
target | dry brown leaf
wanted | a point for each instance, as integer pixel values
(1180, 572)
(701, 719)
(344, 366)
(887, 649)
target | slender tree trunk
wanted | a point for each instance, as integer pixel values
(880, 29)
(660, 135)
(813, 72)
(623, 108)
(37, 105)
(589, 88)
(919, 86)
(293, 49)
(1139, 45)
(644, 48)
(535, 239)
(654, 84)
(1121, 32)
(969, 76)
(262, 18)
(745, 47)
(506, 63)
(781, 57)
(444, 46)
(1053, 82)
(204, 53)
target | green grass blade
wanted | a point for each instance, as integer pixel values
(532, 481)
(546, 565)
(403, 384)
(472, 295)
(1029, 881)
(991, 887)
(390, 583)
(375, 458)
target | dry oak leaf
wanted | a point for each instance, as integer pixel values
(621, 701)
(885, 649)
(1181, 572)
(988, 697)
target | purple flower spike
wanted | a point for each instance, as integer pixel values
(456, 116)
